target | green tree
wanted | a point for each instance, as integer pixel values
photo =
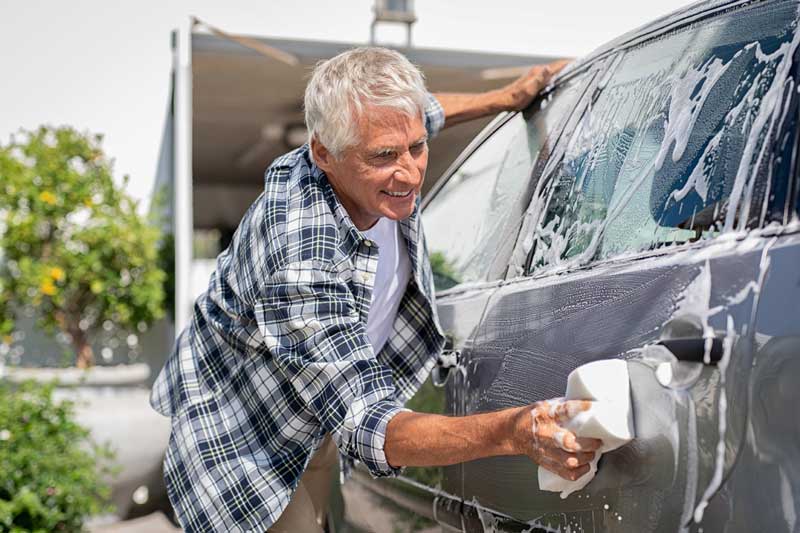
(74, 251)
(52, 475)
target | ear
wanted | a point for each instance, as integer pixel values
(322, 157)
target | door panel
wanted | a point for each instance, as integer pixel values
(763, 491)
(536, 331)
(471, 226)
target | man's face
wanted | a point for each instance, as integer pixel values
(383, 174)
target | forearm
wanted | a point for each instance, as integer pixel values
(460, 107)
(418, 439)
(517, 95)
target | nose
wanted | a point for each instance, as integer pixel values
(406, 176)
(407, 170)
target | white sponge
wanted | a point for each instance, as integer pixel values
(610, 418)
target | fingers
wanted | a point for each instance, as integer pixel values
(567, 473)
(561, 410)
(567, 440)
(570, 442)
(549, 430)
(569, 460)
(556, 66)
(569, 409)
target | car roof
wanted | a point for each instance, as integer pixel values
(686, 15)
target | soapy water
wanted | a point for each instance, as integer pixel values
(722, 409)
(696, 302)
(722, 365)
(598, 200)
(758, 113)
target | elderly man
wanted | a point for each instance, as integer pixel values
(320, 319)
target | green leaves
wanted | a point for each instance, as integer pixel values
(74, 248)
(49, 475)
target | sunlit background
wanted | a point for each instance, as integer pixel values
(105, 66)
(115, 69)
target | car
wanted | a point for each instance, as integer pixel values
(643, 208)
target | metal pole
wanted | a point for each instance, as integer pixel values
(182, 65)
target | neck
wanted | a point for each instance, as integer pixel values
(362, 220)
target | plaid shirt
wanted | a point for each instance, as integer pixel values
(277, 355)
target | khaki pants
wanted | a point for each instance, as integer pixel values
(308, 507)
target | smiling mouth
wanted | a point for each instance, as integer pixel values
(398, 194)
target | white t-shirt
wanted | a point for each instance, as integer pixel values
(391, 279)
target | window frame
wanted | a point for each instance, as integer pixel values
(791, 208)
(498, 122)
(588, 69)
(505, 116)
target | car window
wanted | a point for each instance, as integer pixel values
(676, 146)
(471, 223)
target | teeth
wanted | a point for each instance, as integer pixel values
(398, 194)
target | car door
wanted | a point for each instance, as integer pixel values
(644, 243)
(471, 223)
(471, 220)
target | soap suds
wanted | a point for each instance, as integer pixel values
(609, 417)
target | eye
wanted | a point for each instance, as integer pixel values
(418, 148)
(384, 156)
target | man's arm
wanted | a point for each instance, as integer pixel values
(513, 97)
(417, 439)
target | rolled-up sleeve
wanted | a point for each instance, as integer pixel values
(434, 116)
(308, 318)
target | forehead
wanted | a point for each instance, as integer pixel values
(384, 126)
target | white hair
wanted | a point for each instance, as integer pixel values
(342, 86)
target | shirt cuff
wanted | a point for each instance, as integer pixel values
(371, 437)
(434, 116)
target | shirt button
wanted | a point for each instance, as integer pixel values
(368, 243)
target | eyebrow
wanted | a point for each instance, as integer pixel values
(421, 140)
(386, 149)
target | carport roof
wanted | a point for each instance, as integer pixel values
(243, 100)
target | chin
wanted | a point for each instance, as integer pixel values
(397, 215)
(399, 211)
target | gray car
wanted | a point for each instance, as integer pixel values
(644, 208)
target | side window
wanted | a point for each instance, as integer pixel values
(678, 145)
(472, 223)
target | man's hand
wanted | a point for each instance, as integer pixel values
(419, 439)
(541, 437)
(515, 96)
(521, 92)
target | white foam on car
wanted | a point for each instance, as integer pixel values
(610, 418)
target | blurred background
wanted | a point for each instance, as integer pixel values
(133, 136)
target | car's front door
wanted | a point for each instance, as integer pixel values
(471, 224)
(642, 235)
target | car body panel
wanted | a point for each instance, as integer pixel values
(536, 331)
(717, 444)
(762, 492)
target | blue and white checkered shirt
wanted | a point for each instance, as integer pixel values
(277, 355)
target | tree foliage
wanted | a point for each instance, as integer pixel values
(75, 252)
(51, 473)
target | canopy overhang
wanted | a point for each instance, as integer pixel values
(247, 110)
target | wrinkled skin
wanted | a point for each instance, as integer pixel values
(390, 159)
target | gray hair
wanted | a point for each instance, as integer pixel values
(342, 86)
